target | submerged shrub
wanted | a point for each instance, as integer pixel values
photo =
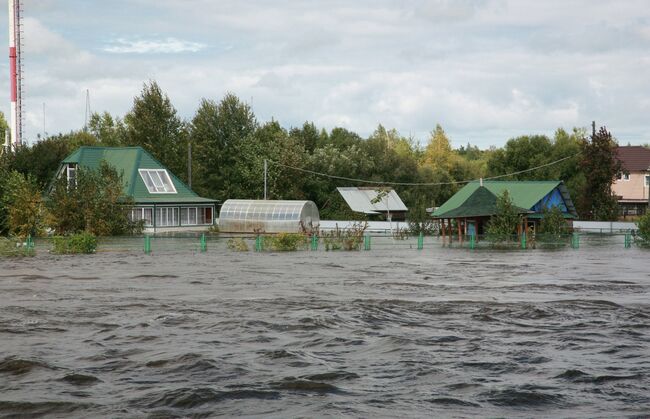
(15, 248)
(286, 242)
(76, 243)
(237, 244)
(346, 239)
(643, 224)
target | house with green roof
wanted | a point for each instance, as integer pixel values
(160, 198)
(473, 205)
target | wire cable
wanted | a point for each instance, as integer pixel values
(455, 182)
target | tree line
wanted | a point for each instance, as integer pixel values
(229, 144)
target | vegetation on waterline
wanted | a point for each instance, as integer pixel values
(502, 227)
(15, 247)
(285, 242)
(84, 242)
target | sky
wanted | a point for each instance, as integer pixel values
(485, 70)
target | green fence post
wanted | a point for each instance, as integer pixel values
(575, 240)
(366, 242)
(314, 242)
(258, 244)
(472, 241)
(523, 240)
(628, 240)
(204, 245)
(421, 241)
(147, 244)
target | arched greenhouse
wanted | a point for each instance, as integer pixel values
(265, 216)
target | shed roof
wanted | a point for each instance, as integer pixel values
(524, 194)
(480, 203)
(360, 200)
(634, 158)
(127, 160)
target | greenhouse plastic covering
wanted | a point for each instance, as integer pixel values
(266, 216)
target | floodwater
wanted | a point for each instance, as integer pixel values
(392, 331)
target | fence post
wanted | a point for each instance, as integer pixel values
(147, 244)
(575, 240)
(523, 240)
(366, 242)
(421, 241)
(472, 241)
(204, 245)
(258, 243)
(314, 242)
(628, 240)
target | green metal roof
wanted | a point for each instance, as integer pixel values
(480, 203)
(127, 160)
(524, 194)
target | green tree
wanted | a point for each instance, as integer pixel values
(23, 205)
(218, 132)
(42, 159)
(4, 126)
(109, 131)
(308, 136)
(419, 220)
(601, 168)
(438, 152)
(522, 153)
(504, 223)
(95, 204)
(154, 125)
(553, 224)
(270, 142)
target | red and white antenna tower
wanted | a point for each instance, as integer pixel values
(15, 70)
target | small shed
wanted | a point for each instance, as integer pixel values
(373, 201)
(475, 204)
(253, 216)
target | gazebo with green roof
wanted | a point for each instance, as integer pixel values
(473, 205)
(161, 199)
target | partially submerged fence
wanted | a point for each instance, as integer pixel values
(358, 241)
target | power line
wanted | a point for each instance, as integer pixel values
(456, 182)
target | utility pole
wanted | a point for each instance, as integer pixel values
(593, 129)
(265, 173)
(189, 164)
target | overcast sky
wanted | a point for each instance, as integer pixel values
(486, 70)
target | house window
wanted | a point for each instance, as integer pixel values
(166, 216)
(196, 216)
(72, 175)
(626, 176)
(647, 180)
(137, 214)
(188, 216)
(157, 180)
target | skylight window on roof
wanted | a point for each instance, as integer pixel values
(157, 180)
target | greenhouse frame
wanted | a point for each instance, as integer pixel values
(268, 216)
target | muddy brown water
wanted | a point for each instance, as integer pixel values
(393, 331)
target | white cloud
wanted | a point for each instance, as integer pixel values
(484, 69)
(153, 46)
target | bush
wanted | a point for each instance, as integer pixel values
(14, 248)
(94, 204)
(76, 243)
(22, 204)
(237, 244)
(286, 242)
(644, 230)
(347, 239)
